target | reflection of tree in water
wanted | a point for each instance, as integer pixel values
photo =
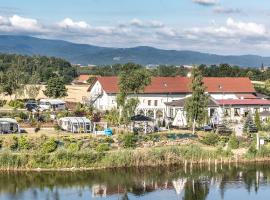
(125, 197)
(132, 181)
(196, 190)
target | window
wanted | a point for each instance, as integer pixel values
(156, 102)
(265, 109)
(237, 112)
(149, 102)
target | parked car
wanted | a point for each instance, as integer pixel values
(207, 128)
(31, 105)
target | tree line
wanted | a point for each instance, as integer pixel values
(20, 73)
(222, 70)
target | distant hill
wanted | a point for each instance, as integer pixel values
(89, 54)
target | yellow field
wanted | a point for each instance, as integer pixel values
(75, 93)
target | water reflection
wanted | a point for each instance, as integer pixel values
(200, 183)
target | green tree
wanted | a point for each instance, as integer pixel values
(132, 80)
(258, 121)
(56, 88)
(249, 125)
(196, 105)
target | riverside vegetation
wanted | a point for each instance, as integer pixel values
(65, 152)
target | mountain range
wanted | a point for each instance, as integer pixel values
(85, 54)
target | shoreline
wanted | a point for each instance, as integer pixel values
(188, 164)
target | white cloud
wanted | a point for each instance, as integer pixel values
(231, 36)
(223, 10)
(69, 23)
(24, 23)
(206, 2)
(232, 28)
(136, 22)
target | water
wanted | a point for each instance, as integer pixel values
(223, 182)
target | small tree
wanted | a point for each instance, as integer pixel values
(196, 105)
(249, 125)
(56, 88)
(258, 121)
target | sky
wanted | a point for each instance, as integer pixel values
(228, 27)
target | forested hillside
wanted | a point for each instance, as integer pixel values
(35, 68)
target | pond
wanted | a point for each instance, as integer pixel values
(197, 183)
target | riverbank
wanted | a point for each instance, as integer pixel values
(167, 156)
(85, 152)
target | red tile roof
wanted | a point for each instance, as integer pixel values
(83, 78)
(243, 102)
(228, 84)
(181, 85)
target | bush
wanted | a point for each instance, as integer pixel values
(233, 142)
(73, 147)
(129, 140)
(49, 146)
(210, 139)
(2, 103)
(23, 143)
(10, 143)
(16, 103)
(103, 147)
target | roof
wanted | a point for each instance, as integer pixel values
(8, 120)
(53, 101)
(181, 102)
(262, 96)
(244, 102)
(75, 119)
(247, 96)
(83, 78)
(265, 113)
(163, 85)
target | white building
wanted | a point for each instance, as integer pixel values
(163, 90)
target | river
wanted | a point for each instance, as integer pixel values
(197, 183)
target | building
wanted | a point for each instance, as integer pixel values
(236, 93)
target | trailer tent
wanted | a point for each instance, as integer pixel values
(8, 125)
(75, 124)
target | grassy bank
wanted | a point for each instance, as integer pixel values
(69, 152)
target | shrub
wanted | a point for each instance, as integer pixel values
(129, 140)
(16, 103)
(210, 139)
(11, 143)
(23, 143)
(103, 147)
(74, 147)
(233, 142)
(49, 146)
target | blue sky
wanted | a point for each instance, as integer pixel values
(214, 26)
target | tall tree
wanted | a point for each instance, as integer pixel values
(56, 88)
(196, 105)
(132, 80)
(258, 121)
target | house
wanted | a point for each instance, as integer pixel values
(153, 101)
(75, 124)
(8, 125)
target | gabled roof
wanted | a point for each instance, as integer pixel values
(181, 85)
(181, 103)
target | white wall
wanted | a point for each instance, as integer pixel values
(223, 96)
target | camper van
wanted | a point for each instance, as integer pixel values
(8, 125)
(52, 104)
